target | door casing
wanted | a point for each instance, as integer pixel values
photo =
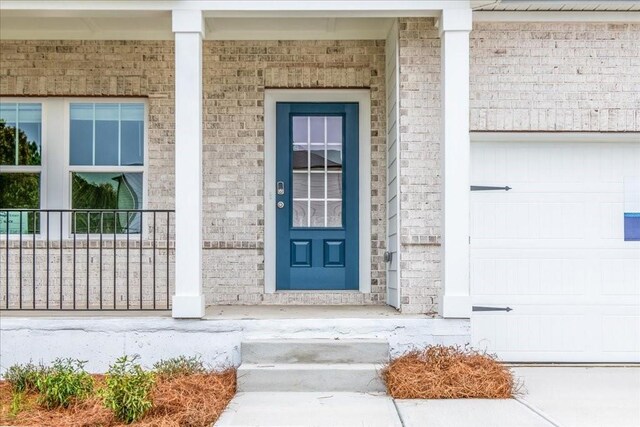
(363, 98)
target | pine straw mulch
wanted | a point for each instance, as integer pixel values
(440, 372)
(186, 401)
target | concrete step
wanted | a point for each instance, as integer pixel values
(315, 351)
(310, 377)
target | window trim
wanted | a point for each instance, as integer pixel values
(55, 170)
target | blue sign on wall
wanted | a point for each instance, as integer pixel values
(631, 226)
(632, 208)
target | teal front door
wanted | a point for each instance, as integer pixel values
(317, 196)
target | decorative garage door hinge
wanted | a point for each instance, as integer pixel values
(479, 308)
(488, 188)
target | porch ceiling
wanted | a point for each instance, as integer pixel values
(560, 5)
(156, 25)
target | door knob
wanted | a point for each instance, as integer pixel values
(280, 204)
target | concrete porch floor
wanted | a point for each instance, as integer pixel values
(240, 312)
(247, 312)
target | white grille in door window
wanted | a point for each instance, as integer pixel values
(317, 171)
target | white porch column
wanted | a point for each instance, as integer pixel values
(188, 26)
(454, 26)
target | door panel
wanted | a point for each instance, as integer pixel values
(317, 196)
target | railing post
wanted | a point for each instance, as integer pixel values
(188, 26)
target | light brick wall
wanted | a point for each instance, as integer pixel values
(96, 69)
(235, 77)
(103, 68)
(236, 74)
(419, 75)
(555, 77)
(524, 77)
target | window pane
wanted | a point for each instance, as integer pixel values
(81, 134)
(334, 214)
(8, 112)
(107, 191)
(317, 129)
(106, 144)
(7, 134)
(317, 213)
(334, 186)
(334, 130)
(30, 137)
(300, 129)
(19, 191)
(317, 156)
(27, 118)
(300, 158)
(300, 213)
(317, 185)
(300, 186)
(334, 157)
(107, 134)
(132, 135)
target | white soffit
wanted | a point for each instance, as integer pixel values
(157, 26)
(102, 26)
(557, 5)
(298, 28)
(248, 8)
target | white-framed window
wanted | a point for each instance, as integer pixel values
(21, 165)
(106, 165)
(83, 154)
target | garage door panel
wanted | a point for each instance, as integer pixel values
(563, 162)
(557, 217)
(522, 306)
(613, 273)
(531, 333)
(620, 334)
(512, 276)
(619, 276)
(543, 335)
(552, 249)
(560, 220)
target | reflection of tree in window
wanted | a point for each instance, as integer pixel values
(19, 190)
(28, 151)
(107, 191)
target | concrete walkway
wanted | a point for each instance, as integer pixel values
(288, 409)
(554, 397)
(584, 396)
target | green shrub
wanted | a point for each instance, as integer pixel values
(17, 400)
(179, 366)
(63, 383)
(128, 389)
(23, 377)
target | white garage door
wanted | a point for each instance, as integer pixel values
(552, 249)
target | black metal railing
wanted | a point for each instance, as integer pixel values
(81, 259)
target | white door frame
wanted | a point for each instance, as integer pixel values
(363, 98)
